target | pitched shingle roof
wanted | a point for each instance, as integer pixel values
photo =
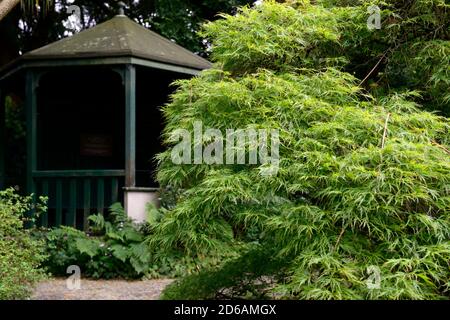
(119, 37)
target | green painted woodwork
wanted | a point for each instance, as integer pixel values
(130, 129)
(73, 195)
(49, 64)
(77, 187)
(31, 127)
(86, 202)
(31, 116)
(114, 190)
(72, 211)
(78, 173)
(100, 195)
(58, 197)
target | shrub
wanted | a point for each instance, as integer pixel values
(112, 248)
(363, 184)
(20, 255)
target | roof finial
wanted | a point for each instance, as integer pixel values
(122, 7)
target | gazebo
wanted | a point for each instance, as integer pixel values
(92, 119)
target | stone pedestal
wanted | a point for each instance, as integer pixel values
(136, 200)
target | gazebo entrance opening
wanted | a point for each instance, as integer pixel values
(80, 120)
(80, 142)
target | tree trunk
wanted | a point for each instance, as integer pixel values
(6, 6)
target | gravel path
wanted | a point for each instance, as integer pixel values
(56, 289)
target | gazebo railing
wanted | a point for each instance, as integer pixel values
(75, 194)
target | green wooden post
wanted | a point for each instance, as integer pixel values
(130, 126)
(59, 205)
(87, 203)
(72, 211)
(100, 195)
(114, 189)
(31, 112)
(2, 140)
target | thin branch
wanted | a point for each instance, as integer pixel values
(339, 239)
(374, 68)
(6, 6)
(383, 142)
(440, 146)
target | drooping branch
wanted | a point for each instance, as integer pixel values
(6, 6)
(28, 5)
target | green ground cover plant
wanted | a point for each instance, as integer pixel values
(113, 248)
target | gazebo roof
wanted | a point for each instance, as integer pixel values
(118, 37)
(116, 41)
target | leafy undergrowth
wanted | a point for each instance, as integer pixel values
(113, 248)
(20, 254)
